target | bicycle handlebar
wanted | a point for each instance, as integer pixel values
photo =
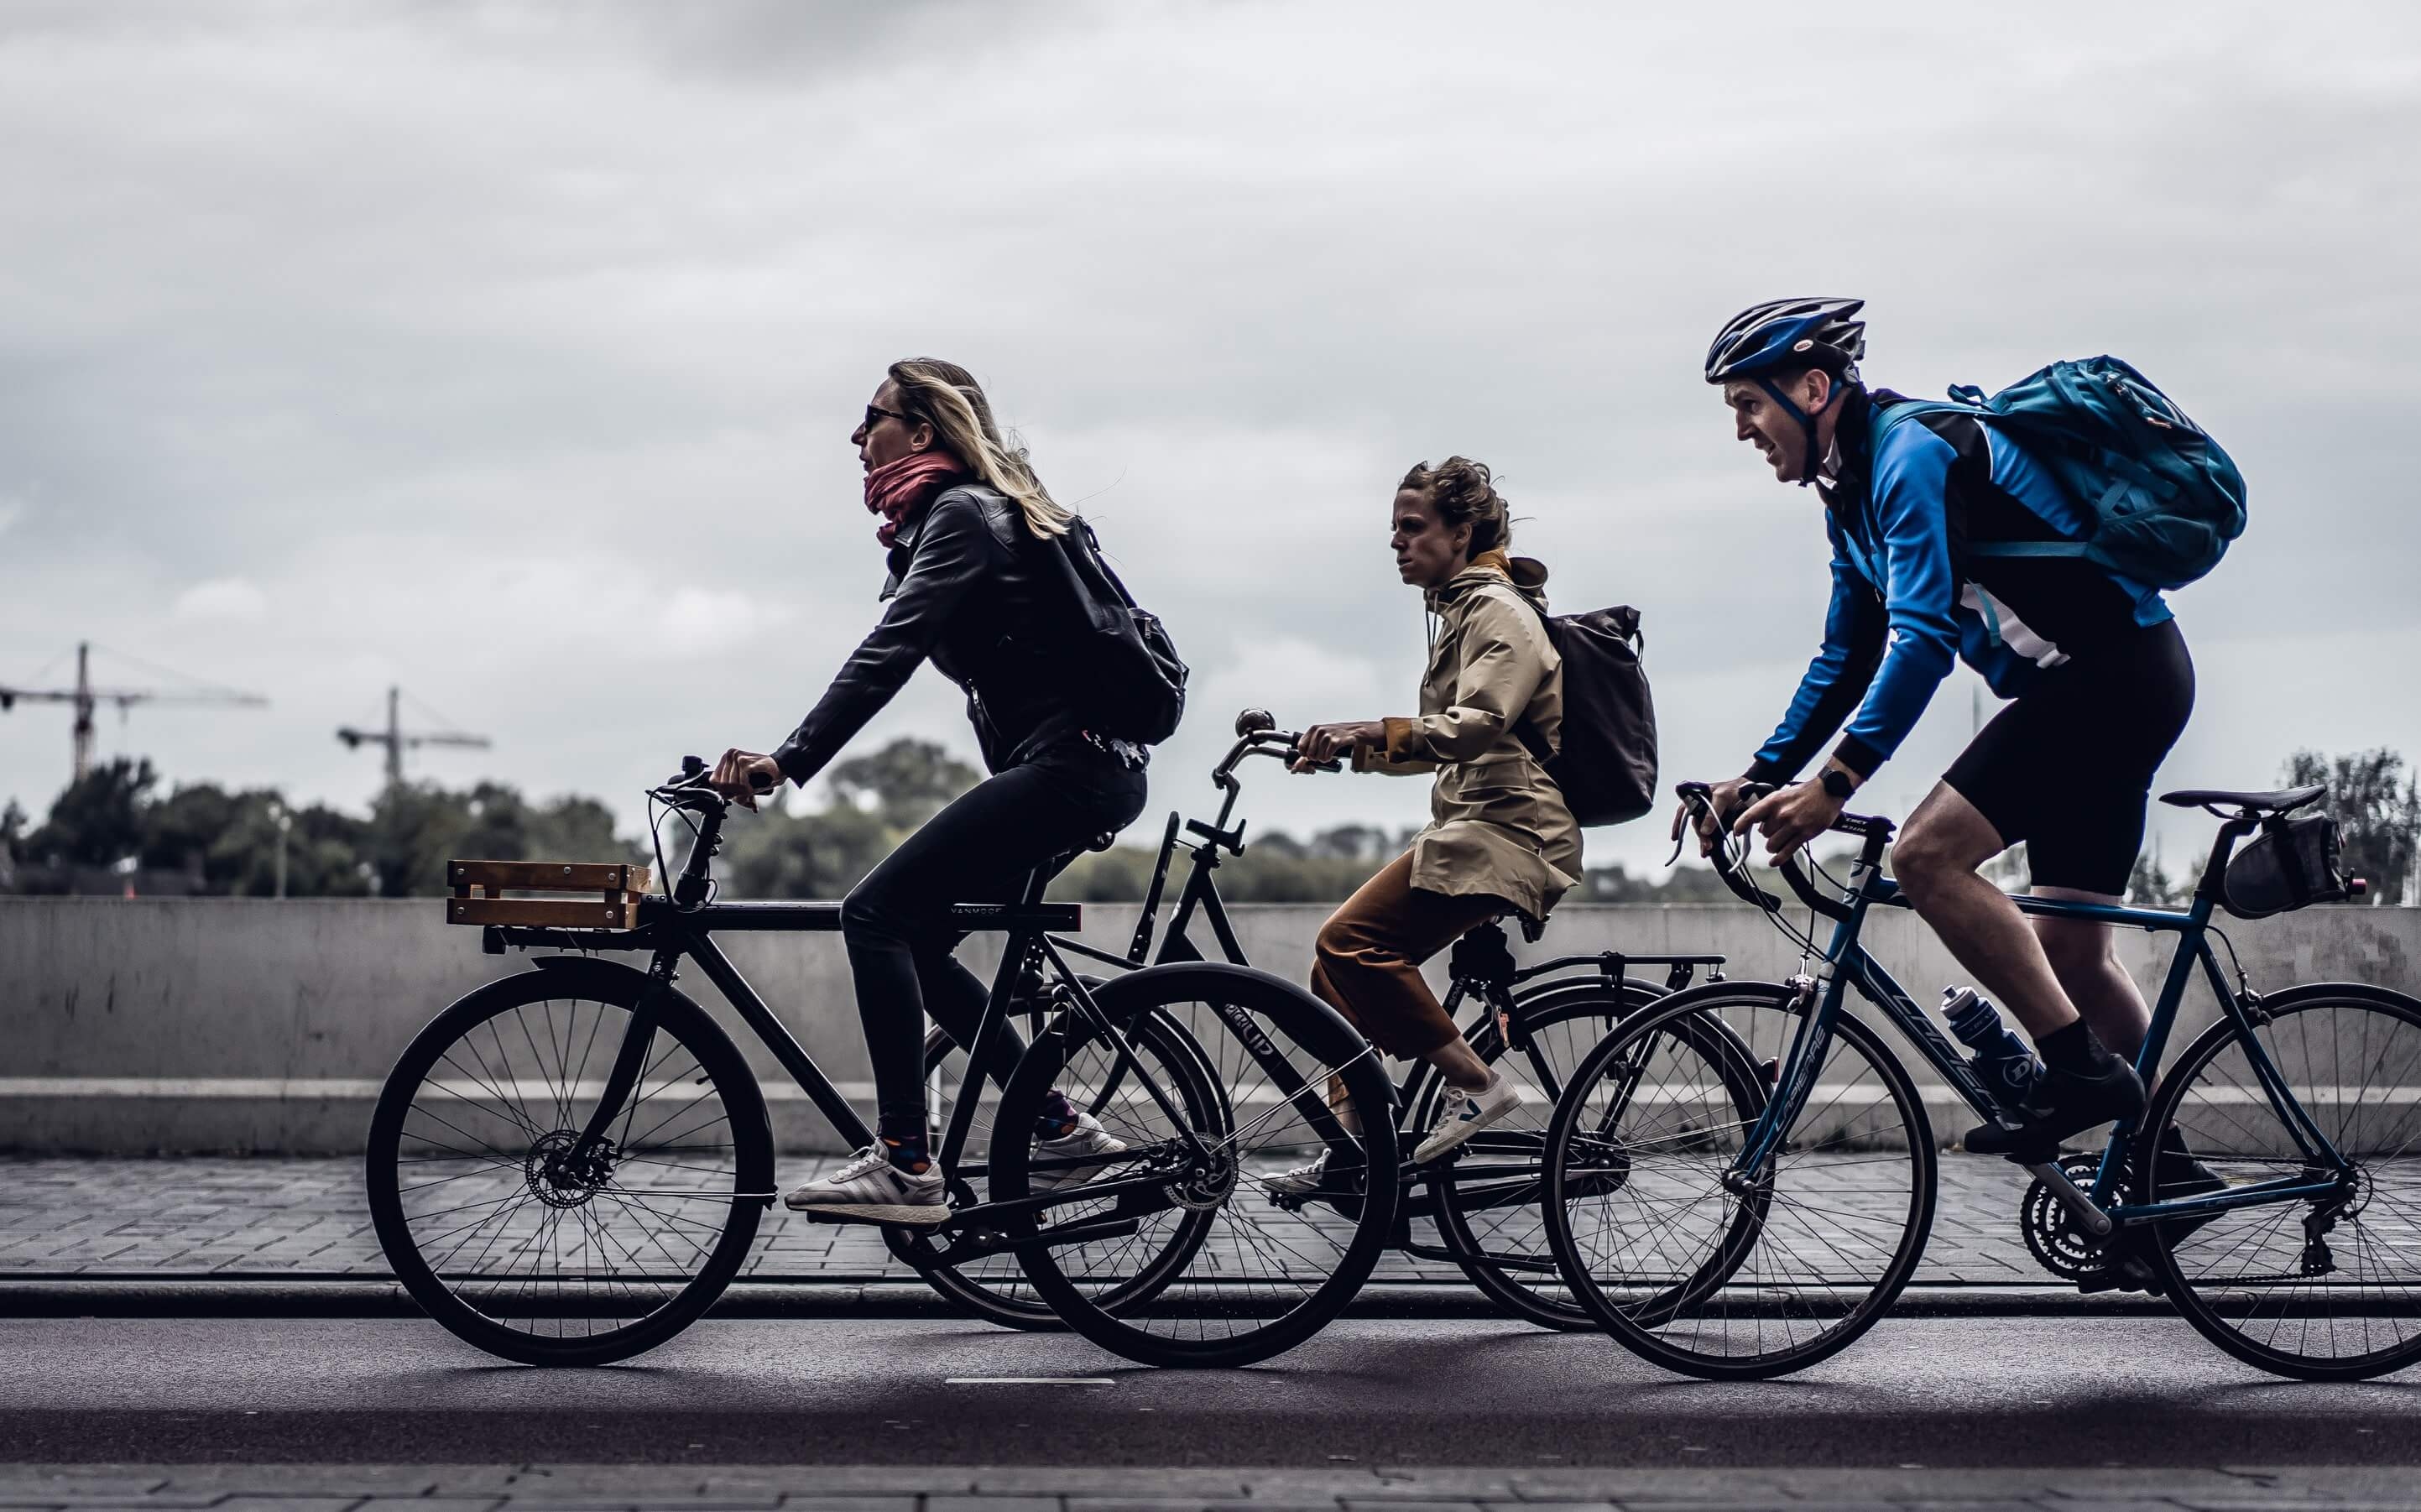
(1699, 798)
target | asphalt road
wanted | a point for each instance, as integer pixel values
(1918, 1392)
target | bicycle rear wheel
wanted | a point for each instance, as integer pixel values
(2321, 1289)
(1725, 1277)
(1252, 1274)
(511, 1236)
(994, 1287)
(1486, 1201)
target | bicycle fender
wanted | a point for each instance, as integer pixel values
(1319, 1027)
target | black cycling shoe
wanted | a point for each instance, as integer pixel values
(2063, 1102)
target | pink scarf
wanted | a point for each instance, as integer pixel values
(898, 488)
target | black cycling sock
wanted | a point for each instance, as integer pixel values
(908, 1153)
(2073, 1048)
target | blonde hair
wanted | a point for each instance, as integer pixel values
(947, 396)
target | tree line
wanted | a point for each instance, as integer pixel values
(115, 829)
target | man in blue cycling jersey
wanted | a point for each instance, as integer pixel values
(2098, 678)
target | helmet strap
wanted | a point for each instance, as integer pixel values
(1806, 421)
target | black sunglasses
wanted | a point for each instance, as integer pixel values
(876, 415)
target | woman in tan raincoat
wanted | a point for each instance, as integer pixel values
(1500, 839)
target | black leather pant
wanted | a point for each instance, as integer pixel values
(983, 849)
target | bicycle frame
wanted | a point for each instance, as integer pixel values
(1199, 895)
(1845, 962)
(672, 928)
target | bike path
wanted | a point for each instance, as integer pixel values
(293, 1236)
(1928, 1393)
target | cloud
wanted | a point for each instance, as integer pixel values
(236, 599)
(692, 621)
(509, 351)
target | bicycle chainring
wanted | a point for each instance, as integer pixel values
(1206, 1185)
(2059, 1244)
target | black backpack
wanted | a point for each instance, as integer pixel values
(1606, 766)
(1127, 679)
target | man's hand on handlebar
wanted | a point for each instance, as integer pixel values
(1790, 817)
(1722, 798)
(1322, 745)
(742, 775)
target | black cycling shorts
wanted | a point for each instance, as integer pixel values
(2067, 768)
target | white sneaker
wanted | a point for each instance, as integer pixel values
(873, 1191)
(1467, 1114)
(1087, 1138)
(1301, 1181)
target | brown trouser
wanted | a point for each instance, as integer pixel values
(1370, 952)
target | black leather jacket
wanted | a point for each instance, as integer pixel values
(970, 588)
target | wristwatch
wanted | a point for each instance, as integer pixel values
(1838, 783)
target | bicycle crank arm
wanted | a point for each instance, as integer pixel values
(2079, 1207)
(977, 1246)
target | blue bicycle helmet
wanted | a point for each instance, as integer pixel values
(1789, 336)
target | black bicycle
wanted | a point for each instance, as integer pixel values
(1482, 1201)
(569, 1165)
(1741, 1180)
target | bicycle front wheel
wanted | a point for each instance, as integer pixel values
(2325, 1286)
(517, 1232)
(1732, 1275)
(994, 1287)
(1244, 1274)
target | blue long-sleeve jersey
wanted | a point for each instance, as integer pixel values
(1907, 596)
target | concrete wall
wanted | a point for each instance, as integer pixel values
(192, 1024)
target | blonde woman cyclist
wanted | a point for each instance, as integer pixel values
(966, 524)
(1500, 839)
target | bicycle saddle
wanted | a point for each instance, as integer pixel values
(2283, 801)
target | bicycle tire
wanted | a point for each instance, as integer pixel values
(2223, 1124)
(994, 1288)
(1227, 1315)
(1514, 1230)
(1664, 1317)
(487, 1307)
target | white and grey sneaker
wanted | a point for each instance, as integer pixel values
(869, 1189)
(1301, 1181)
(1087, 1137)
(1467, 1114)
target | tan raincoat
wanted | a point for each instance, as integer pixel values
(1497, 824)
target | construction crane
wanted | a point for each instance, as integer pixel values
(395, 739)
(86, 697)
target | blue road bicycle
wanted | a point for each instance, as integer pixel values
(1740, 1179)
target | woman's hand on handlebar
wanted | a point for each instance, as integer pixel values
(1790, 817)
(741, 776)
(1322, 745)
(1722, 798)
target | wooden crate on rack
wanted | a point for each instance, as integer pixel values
(479, 888)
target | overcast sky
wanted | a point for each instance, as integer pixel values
(509, 352)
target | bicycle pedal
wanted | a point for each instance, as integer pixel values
(2127, 1275)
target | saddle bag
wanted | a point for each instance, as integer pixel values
(2291, 864)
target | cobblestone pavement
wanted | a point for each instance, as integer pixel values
(1077, 1488)
(307, 1219)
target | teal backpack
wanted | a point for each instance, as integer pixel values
(2166, 499)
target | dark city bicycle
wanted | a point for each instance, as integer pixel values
(569, 1165)
(1536, 1021)
(1740, 1179)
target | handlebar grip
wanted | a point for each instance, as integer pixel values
(1734, 876)
(759, 782)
